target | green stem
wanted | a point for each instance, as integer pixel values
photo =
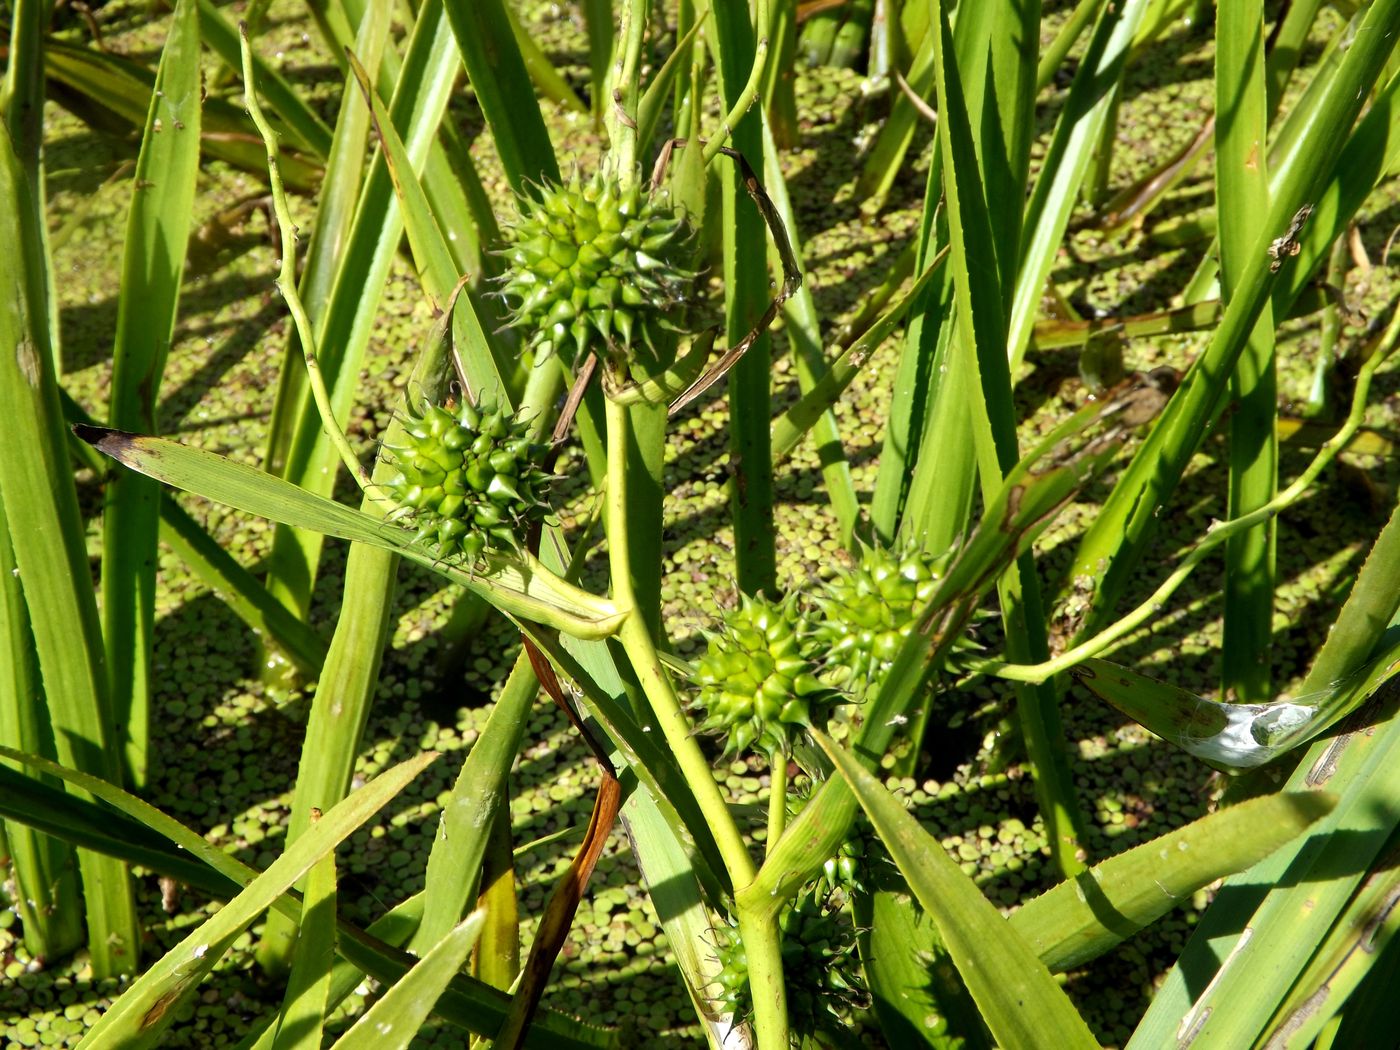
(641, 651)
(745, 99)
(1052, 57)
(1153, 606)
(763, 943)
(777, 799)
(620, 105)
(287, 276)
(757, 928)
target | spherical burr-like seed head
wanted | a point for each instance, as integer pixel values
(868, 611)
(597, 265)
(468, 480)
(758, 680)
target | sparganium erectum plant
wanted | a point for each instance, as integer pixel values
(929, 430)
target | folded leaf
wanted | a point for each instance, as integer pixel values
(517, 586)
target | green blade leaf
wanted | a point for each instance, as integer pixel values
(1082, 918)
(1113, 545)
(1018, 998)
(141, 834)
(1352, 952)
(914, 988)
(454, 865)
(1265, 926)
(301, 1023)
(1081, 122)
(478, 352)
(792, 426)
(516, 587)
(46, 530)
(979, 275)
(121, 86)
(68, 818)
(1233, 737)
(669, 872)
(138, 1018)
(746, 295)
(1242, 192)
(330, 231)
(239, 589)
(394, 1020)
(803, 327)
(503, 91)
(42, 869)
(153, 264)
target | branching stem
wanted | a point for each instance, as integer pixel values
(759, 931)
(763, 23)
(287, 275)
(1109, 636)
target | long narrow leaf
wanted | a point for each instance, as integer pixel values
(42, 869)
(1234, 737)
(537, 596)
(979, 275)
(746, 297)
(153, 264)
(145, 1010)
(395, 1019)
(804, 336)
(1265, 924)
(915, 989)
(123, 87)
(301, 1024)
(454, 865)
(477, 351)
(46, 529)
(330, 232)
(503, 90)
(1242, 194)
(1352, 950)
(1084, 917)
(1018, 998)
(1115, 542)
(1066, 161)
(141, 834)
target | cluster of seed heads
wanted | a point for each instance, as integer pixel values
(468, 480)
(774, 666)
(595, 260)
(820, 966)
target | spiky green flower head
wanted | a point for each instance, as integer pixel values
(598, 263)
(758, 679)
(869, 610)
(820, 969)
(469, 479)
